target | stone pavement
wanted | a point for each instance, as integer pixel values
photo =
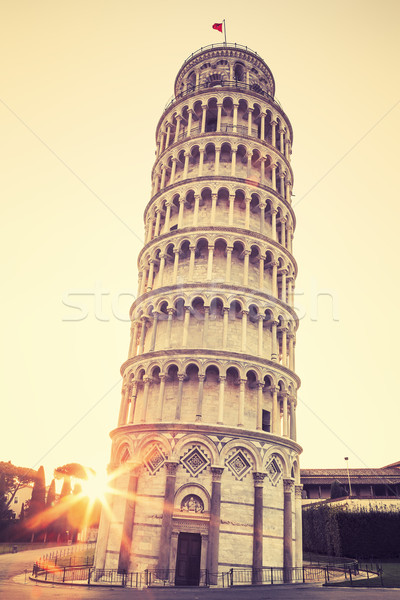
(13, 587)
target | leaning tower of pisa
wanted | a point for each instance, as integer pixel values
(205, 457)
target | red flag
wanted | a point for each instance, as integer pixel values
(218, 27)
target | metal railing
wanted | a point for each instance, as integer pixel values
(89, 575)
(279, 575)
(236, 84)
(221, 45)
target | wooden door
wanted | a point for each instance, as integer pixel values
(188, 559)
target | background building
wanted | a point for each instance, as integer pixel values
(380, 484)
(205, 453)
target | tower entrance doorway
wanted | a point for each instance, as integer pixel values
(188, 559)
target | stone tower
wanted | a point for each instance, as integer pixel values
(205, 453)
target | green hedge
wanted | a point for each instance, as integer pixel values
(359, 533)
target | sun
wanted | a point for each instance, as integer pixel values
(95, 486)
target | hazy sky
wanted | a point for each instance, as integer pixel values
(83, 86)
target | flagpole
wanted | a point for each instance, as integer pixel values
(225, 30)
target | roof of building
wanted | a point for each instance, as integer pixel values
(384, 475)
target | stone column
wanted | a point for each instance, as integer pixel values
(273, 132)
(196, 210)
(154, 332)
(199, 411)
(298, 526)
(167, 216)
(213, 208)
(161, 397)
(163, 176)
(146, 381)
(133, 342)
(190, 118)
(143, 280)
(133, 394)
(186, 326)
(129, 518)
(225, 328)
(205, 326)
(285, 414)
(241, 402)
(293, 433)
(249, 121)
(247, 214)
(284, 345)
(244, 329)
(281, 143)
(219, 114)
(168, 134)
(142, 335)
(276, 413)
(282, 185)
(151, 275)
(231, 207)
(262, 170)
(176, 263)
(180, 214)
(222, 379)
(235, 116)
(262, 128)
(203, 118)
(178, 125)
(262, 207)
(161, 270)
(291, 338)
(261, 272)
(260, 334)
(258, 528)
(260, 386)
(283, 232)
(273, 223)
(124, 405)
(246, 267)
(274, 335)
(173, 171)
(233, 164)
(273, 175)
(283, 291)
(191, 261)
(214, 526)
(210, 261)
(228, 263)
(169, 326)
(166, 524)
(158, 219)
(287, 530)
(274, 278)
(201, 161)
(181, 377)
(288, 194)
(217, 157)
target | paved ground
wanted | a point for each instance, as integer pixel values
(13, 587)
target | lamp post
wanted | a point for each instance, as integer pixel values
(346, 458)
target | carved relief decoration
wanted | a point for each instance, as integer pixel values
(195, 461)
(192, 504)
(239, 464)
(274, 470)
(154, 459)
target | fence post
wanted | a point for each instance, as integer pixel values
(231, 576)
(64, 574)
(272, 575)
(381, 575)
(351, 579)
(89, 573)
(304, 576)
